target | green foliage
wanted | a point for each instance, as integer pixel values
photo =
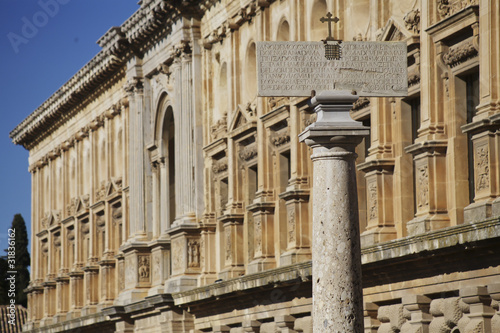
(22, 262)
(22, 252)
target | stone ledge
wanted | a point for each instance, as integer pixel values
(281, 275)
(396, 249)
(433, 240)
(96, 319)
(451, 239)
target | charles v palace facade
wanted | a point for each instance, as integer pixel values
(168, 197)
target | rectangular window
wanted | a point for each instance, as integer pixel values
(415, 118)
(472, 90)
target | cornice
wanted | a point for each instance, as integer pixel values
(79, 135)
(118, 44)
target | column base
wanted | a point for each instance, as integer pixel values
(478, 211)
(181, 283)
(377, 235)
(293, 256)
(156, 290)
(103, 305)
(89, 309)
(59, 317)
(495, 207)
(131, 296)
(232, 272)
(206, 279)
(261, 264)
(72, 314)
(46, 321)
(420, 225)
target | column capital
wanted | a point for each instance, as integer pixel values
(334, 125)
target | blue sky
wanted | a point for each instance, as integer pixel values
(43, 43)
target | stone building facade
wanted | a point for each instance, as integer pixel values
(168, 197)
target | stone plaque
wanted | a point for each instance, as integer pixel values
(296, 68)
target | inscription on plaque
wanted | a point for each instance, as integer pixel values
(296, 68)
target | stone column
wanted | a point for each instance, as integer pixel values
(336, 253)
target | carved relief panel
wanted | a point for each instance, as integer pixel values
(70, 248)
(85, 241)
(144, 269)
(485, 180)
(422, 186)
(178, 255)
(100, 223)
(117, 227)
(372, 198)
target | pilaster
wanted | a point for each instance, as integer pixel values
(233, 247)
(485, 136)
(298, 233)
(208, 246)
(185, 243)
(160, 263)
(136, 272)
(137, 155)
(76, 292)
(62, 292)
(430, 187)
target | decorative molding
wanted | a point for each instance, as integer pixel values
(360, 103)
(276, 102)
(310, 119)
(219, 166)
(446, 8)
(460, 53)
(280, 137)
(249, 152)
(412, 21)
(97, 123)
(219, 129)
(414, 76)
(100, 193)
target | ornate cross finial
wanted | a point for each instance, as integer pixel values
(333, 50)
(329, 19)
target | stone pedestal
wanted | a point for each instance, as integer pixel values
(336, 253)
(185, 242)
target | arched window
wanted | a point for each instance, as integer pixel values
(168, 176)
(223, 101)
(251, 73)
(319, 30)
(283, 31)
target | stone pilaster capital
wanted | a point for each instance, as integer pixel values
(135, 86)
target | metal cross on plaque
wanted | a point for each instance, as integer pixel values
(329, 19)
(333, 50)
